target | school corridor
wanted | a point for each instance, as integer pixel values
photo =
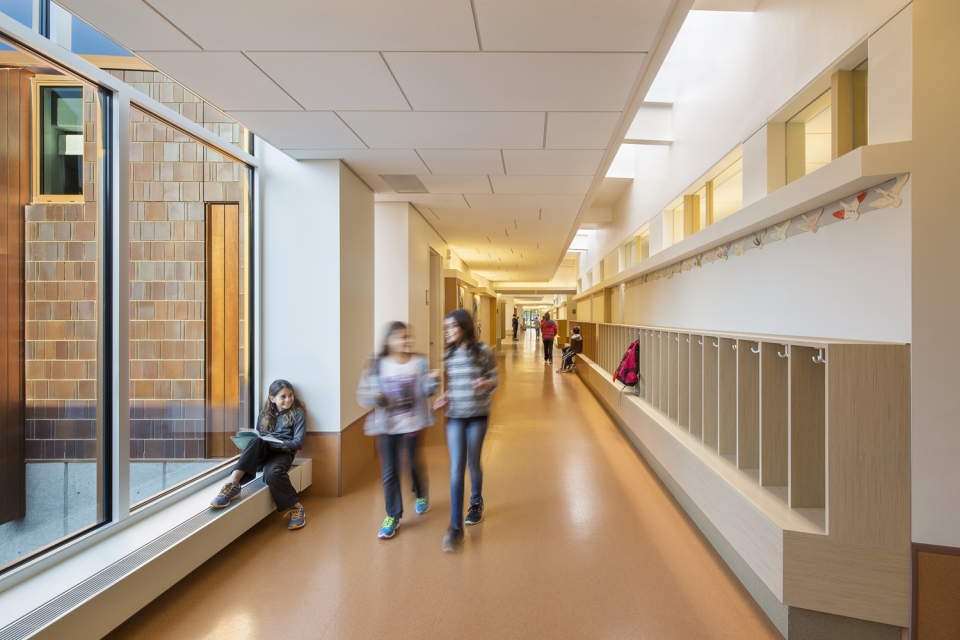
(579, 540)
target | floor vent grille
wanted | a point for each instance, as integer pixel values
(32, 622)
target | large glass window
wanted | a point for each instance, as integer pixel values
(188, 366)
(728, 191)
(809, 141)
(53, 456)
(19, 10)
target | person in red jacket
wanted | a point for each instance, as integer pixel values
(548, 329)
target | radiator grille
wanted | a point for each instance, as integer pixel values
(34, 621)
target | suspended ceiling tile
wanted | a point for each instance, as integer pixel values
(456, 184)
(516, 81)
(552, 162)
(228, 80)
(132, 24)
(324, 25)
(463, 161)
(429, 200)
(479, 214)
(334, 80)
(375, 182)
(569, 25)
(541, 184)
(580, 130)
(300, 129)
(446, 130)
(367, 161)
(521, 201)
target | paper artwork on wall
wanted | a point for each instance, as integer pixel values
(882, 196)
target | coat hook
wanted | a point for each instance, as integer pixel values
(688, 339)
(819, 358)
(716, 344)
(700, 342)
(786, 351)
(757, 350)
(734, 346)
(677, 337)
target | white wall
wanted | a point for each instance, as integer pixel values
(850, 280)
(390, 257)
(890, 80)
(726, 75)
(317, 302)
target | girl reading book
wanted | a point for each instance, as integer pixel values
(397, 384)
(283, 421)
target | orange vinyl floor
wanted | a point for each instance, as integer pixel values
(579, 540)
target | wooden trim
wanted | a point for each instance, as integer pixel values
(120, 63)
(916, 548)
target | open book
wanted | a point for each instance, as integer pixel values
(246, 436)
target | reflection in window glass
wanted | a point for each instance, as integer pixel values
(61, 140)
(678, 223)
(85, 40)
(52, 255)
(19, 10)
(188, 377)
(808, 137)
(728, 191)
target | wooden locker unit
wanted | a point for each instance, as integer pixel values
(673, 375)
(711, 388)
(774, 412)
(727, 414)
(696, 386)
(807, 429)
(683, 395)
(748, 405)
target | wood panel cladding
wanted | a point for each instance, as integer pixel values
(15, 177)
(222, 327)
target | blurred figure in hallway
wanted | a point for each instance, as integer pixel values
(471, 368)
(516, 325)
(397, 385)
(548, 329)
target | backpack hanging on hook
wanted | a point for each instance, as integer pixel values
(628, 373)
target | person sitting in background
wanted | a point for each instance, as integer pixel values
(284, 418)
(576, 346)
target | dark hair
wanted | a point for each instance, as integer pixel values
(392, 328)
(576, 329)
(546, 316)
(269, 413)
(468, 336)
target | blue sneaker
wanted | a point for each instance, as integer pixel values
(228, 494)
(423, 505)
(389, 528)
(297, 518)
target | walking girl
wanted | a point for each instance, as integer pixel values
(471, 369)
(397, 385)
(284, 420)
(548, 328)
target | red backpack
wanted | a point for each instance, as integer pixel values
(628, 371)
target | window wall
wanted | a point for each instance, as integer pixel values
(189, 222)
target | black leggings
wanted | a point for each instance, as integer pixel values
(548, 349)
(275, 464)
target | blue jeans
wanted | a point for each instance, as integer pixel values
(391, 449)
(465, 439)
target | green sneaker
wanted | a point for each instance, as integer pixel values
(423, 505)
(389, 528)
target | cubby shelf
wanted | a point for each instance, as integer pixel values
(797, 448)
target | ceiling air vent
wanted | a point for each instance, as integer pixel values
(405, 184)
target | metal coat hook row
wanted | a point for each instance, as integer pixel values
(786, 351)
(752, 350)
(819, 359)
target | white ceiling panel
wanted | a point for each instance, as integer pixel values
(324, 25)
(300, 129)
(375, 182)
(580, 130)
(552, 162)
(336, 80)
(227, 79)
(367, 161)
(516, 81)
(133, 24)
(541, 184)
(446, 130)
(476, 213)
(426, 200)
(521, 201)
(463, 161)
(569, 25)
(456, 184)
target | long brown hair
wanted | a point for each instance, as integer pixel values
(468, 336)
(269, 413)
